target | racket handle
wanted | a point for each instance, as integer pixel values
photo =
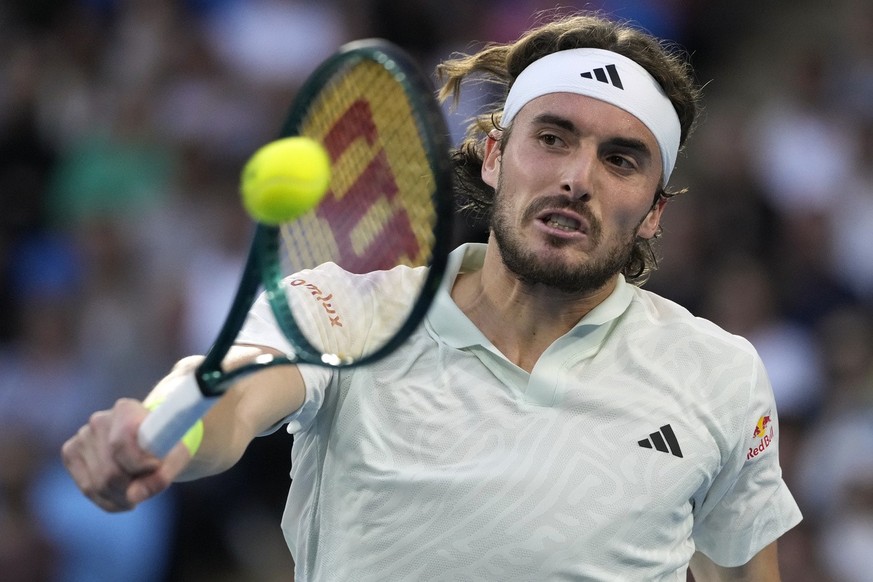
(167, 424)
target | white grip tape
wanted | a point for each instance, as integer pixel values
(167, 424)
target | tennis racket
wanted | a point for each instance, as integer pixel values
(389, 203)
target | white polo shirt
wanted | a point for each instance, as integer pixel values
(641, 435)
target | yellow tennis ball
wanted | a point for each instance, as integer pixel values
(285, 179)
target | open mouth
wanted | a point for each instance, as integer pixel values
(562, 222)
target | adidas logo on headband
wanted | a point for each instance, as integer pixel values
(600, 75)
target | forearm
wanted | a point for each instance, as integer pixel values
(224, 440)
(250, 407)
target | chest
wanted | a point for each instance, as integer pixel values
(584, 443)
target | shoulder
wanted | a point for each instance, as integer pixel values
(331, 273)
(724, 368)
(720, 372)
(680, 325)
(330, 282)
(333, 303)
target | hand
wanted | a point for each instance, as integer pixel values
(107, 464)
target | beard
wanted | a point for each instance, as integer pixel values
(532, 269)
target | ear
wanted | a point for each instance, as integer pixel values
(652, 221)
(491, 160)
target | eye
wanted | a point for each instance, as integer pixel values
(550, 140)
(621, 161)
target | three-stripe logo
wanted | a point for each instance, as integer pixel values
(664, 440)
(607, 74)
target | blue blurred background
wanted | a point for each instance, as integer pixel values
(123, 128)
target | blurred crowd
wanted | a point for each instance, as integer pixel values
(124, 125)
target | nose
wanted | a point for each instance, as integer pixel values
(577, 175)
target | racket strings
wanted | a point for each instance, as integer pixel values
(379, 211)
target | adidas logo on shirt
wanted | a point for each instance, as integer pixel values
(607, 74)
(663, 440)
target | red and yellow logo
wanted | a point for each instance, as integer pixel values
(378, 212)
(761, 427)
(763, 430)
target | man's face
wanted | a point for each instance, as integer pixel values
(575, 185)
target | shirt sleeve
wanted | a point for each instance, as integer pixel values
(261, 329)
(748, 505)
(338, 313)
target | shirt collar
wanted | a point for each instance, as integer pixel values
(447, 320)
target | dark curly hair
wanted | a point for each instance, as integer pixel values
(500, 64)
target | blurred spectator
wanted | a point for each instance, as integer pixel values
(26, 552)
(850, 220)
(742, 298)
(855, 38)
(272, 42)
(802, 149)
(47, 390)
(26, 160)
(835, 465)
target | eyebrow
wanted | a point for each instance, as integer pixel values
(631, 144)
(556, 120)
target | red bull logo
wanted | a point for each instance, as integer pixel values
(761, 432)
(761, 427)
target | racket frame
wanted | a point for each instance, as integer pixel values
(262, 268)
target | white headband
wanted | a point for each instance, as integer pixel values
(606, 76)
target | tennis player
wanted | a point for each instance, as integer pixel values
(550, 420)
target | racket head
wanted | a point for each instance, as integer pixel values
(390, 200)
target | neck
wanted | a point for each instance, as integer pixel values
(521, 319)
